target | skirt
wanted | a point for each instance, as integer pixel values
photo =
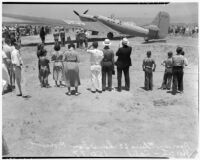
(71, 74)
(58, 73)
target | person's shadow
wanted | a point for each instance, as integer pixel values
(171, 92)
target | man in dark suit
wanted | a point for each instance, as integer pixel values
(123, 63)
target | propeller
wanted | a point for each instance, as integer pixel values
(85, 11)
(76, 12)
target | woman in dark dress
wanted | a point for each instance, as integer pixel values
(71, 69)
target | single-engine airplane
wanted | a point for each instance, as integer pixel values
(158, 29)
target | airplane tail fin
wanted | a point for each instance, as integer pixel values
(162, 21)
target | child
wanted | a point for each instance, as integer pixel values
(44, 69)
(167, 79)
(149, 67)
(57, 57)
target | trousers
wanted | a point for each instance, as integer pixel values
(107, 72)
(96, 78)
(167, 79)
(126, 76)
(148, 82)
(177, 78)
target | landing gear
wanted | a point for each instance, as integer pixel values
(146, 39)
(110, 35)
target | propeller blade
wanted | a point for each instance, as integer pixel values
(85, 11)
(76, 12)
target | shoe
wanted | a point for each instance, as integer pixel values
(110, 89)
(19, 95)
(93, 91)
(25, 96)
(69, 93)
(76, 94)
(100, 91)
(127, 89)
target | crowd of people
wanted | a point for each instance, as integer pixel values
(59, 33)
(66, 68)
(183, 30)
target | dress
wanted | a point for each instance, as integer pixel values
(57, 57)
(44, 70)
(71, 69)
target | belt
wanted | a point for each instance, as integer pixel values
(148, 67)
(16, 65)
(95, 65)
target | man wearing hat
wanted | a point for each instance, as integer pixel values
(177, 71)
(107, 65)
(95, 60)
(168, 72)
(149, 67)
(123, 63)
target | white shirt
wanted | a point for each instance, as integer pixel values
(3, 56)
(185, 61)
(96, 56)
(16, 58)
(7, 49)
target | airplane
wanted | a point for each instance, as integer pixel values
(158, 29)
(9, 19)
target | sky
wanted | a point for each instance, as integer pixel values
(65, 11)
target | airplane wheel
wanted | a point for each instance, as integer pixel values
(146, 39)
(110, 35)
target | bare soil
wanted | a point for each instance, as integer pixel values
(137, 123)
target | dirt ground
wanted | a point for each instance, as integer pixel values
(137, 123)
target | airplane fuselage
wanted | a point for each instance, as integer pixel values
(123, 28)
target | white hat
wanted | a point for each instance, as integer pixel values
(106, 42)
(125, 41)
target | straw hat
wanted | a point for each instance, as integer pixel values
(106, 42)
(125, 41)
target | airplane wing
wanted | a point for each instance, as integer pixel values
(9, 19)
(98, 26)
(12, 19)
